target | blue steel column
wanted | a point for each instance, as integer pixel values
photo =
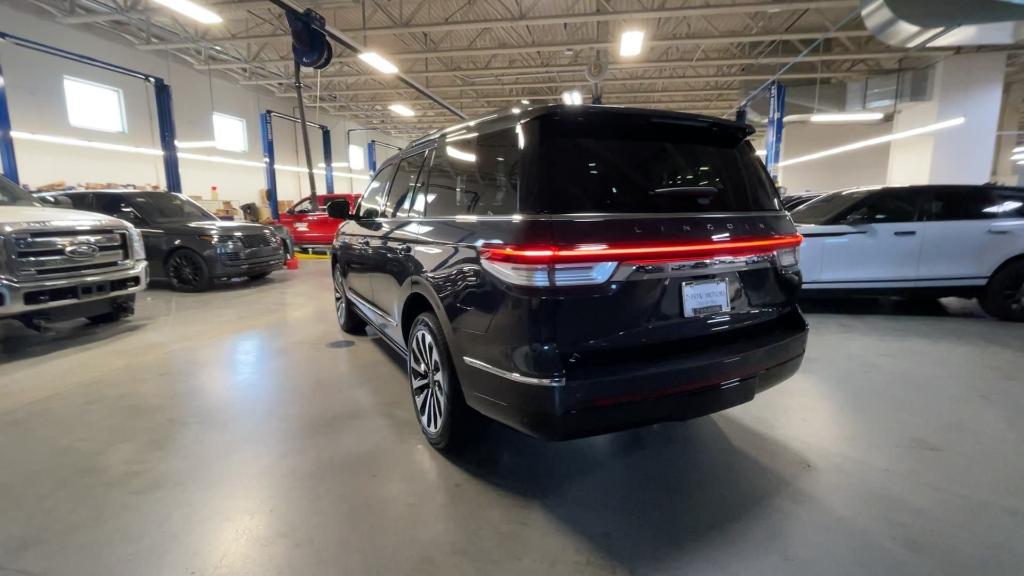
(371, 156)
(267, 136)
(165, 123)
(328, 160)
(8, 163)
(773, 136)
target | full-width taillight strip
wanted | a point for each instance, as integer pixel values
(657, 252)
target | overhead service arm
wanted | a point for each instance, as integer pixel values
(349, 43)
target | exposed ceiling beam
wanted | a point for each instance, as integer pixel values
(562, 19)
(563, 83)
(486, 51)
(655, 64)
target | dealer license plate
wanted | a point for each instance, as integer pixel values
(701, 298)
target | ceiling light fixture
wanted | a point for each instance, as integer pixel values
(402, 110)
(880, 140)
(524, 102)
(572, 97)
(631, 42)
(378, 62)
(192, 10)
(847, 117)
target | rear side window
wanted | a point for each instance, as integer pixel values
(885, 207)
(372, 204)
(1008, 203)
(403, 190)
(643, 166)
(115, 205)
(474, 175)
(961, 204)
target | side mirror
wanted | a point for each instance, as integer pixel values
(339, 209)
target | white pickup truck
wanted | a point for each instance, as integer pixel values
(58, 264)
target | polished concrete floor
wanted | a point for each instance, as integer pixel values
(239, 432)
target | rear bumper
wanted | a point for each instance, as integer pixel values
(607, 398)
(29, 297)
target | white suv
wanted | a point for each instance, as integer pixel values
(939, 240)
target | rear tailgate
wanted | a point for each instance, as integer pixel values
(643, 302)
(681, 210)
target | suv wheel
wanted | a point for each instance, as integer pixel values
(437, 399)
(348, 319)
(187, 271)
(1004, 294)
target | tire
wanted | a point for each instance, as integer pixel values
(187, 271)
(1004, 294)
(259, 276)
(123, 308)
(348, 319)
(441, 411)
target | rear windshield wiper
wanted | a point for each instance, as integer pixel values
(685, 190)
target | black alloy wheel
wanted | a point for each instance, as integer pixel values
(187, 272)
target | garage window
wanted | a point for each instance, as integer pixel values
(229, 133)
(94, 106)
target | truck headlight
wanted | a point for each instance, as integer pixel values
(138, 247)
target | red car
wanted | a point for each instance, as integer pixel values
(314, 229)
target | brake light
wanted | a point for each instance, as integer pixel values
(584, 264)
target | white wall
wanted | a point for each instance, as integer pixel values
(864, 167)
(36, 100)
(965, 85)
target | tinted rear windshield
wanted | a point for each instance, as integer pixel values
(643, 165)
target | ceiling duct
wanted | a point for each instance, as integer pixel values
(918, 23)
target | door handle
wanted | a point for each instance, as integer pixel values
(997, 231)
(905, 233)
(404, 249)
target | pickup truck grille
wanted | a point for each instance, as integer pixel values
(51, 254)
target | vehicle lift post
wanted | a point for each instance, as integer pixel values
(161, 92)
(267, 135)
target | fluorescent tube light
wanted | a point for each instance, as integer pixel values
(192, 10)
(460, 154)
(355, 157)
(848, 117)
(85, 143)
(402, 110)
(761, 153)
(631, 42)
(572, 97)
(875, 141)
(378, 62)
(195, 144)
(1018, 149)
(524, 102)
(157, 152)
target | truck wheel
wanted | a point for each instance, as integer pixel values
(187, 271)
(121, 308)
(444, 418)
(349, 320)
(1004, 294)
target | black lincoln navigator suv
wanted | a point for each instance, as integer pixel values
(574, 270)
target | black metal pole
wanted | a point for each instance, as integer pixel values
(305, 141)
